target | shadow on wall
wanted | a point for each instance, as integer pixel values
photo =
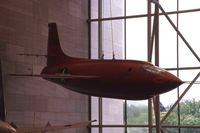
(2, 107)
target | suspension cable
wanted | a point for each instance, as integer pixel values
(102, 48)
(111, 24)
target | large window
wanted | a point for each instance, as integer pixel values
(119, 30)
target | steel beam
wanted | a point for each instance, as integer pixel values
(146, 126)
(143, 15)
(149, 57)
(100, 33)
(157, 98)
(182, 68)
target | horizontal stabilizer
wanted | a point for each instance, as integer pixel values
(54, 128)
(36, 55)
(80, 124)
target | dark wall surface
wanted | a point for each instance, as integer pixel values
(33, 101)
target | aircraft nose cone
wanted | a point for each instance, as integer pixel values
(174, 81)
(168, 81)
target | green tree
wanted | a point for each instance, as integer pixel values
(137, 114)
(189, 115)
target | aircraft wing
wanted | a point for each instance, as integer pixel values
(55, 76)
(54, 128)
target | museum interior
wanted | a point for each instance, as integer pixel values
(163, 32)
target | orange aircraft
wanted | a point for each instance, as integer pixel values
(122, 79)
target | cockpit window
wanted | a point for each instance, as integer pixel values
(153, 69)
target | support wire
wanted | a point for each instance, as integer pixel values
(111, 26)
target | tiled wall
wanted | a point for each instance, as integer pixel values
(23, 29)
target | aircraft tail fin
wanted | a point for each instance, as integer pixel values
(55, 54)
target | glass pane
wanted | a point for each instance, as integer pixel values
(188, 75)
(137, 130)
(137, 112)
(169, 5)
(136, 39)
(94, 130)
(95, 110)
(135, 7)
(189, 4)
(113, 39)
(171, 130)
(113, 130)
(190, 130)
(94, 9)
(94, 40)
(193, 93)
(113, 111)
(189, 27)
(168, 43)
(112, 8)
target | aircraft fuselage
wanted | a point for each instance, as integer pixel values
(123, 79)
